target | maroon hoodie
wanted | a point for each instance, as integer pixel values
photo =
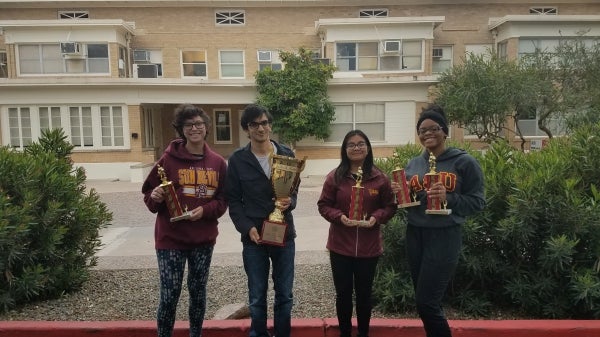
(378, 202)
(198, 182)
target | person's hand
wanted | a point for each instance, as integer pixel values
(254, 236)
(197, 213)
(437, 191)
(283, 203)
(344, 219)
(158, 194)
(395, 187)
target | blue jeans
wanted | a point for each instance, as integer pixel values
(257, 260)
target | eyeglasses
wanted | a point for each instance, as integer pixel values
(198, 125)
(432, 129)
(352, 146)
(255, 125)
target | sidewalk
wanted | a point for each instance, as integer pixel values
(128, 243)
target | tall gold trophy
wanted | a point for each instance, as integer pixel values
(285, 177)
(175, 210)
(404, 197)
(434, 205)
(357, 216)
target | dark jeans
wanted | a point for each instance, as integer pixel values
(432, 255)
(171, 265)
(257, 259)
(353, 274)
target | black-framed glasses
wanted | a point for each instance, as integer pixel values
(433, 129)
(359, 145)
(255, 125)
(198, 125)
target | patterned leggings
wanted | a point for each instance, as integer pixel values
(171, 265)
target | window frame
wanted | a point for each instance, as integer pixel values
(353, 124)
(383, 59)
(46, 56)
(373, 13)
(232, 17)
(217, 126)
(242, 64)
(275, 62)
(199, 62)
(3, 64)
(450, 58)
(35, 125)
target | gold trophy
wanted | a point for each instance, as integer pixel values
(357, 217)
(404, 197)
(285, 177)
(175, 210)
(434, 205)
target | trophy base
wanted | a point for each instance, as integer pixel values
(184, 216)
(409, 204)
(359, 223)
(273, 233)
(438, 211)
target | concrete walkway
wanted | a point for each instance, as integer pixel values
(128, 243)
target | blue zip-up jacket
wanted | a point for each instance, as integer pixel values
(250, 194)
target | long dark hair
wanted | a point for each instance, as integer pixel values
(344, 167)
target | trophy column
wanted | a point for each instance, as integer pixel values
(175, 210)
(434, 205)
(356, 215)
(404, 197)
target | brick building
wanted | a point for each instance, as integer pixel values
(111, 72)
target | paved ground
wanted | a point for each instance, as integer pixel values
(128, 243)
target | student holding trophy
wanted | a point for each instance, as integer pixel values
(356, 200)
(186, 190)
(448, 182)
(259, 176)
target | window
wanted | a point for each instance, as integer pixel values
(543, 10)
(373, 13)
(441, 58)
(147, 63)
(111, 121)
(368, 117)
(3, 64)
(231, 63)
(268, 59)
(73, 15)
(88, 126)
(230, 18)
(48, 59)
(374, 56)
(503, 51)
(194, 63)
(528, 123)
(222, 126)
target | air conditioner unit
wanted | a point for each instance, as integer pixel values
(438, 53)
(141, 56)
(146, 70)
(321, 60)
(391, 46)
(70, 48)
(264, 55)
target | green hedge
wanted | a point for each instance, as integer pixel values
(534, 250)
(49, 224)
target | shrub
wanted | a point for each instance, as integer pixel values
(535, 248)
(49, 225)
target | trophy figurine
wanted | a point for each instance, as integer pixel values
(434, 205)
(404, 197)
(175, 210)
(285, 177)
(357, 217)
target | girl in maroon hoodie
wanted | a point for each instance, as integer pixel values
(198, 177)
(354, 250)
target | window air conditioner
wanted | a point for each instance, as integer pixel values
(146, 70)
(70, 48)
(141, 56)
(391, 46)
(438, 53)
(264, 56)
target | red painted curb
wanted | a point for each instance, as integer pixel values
(313, 327)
